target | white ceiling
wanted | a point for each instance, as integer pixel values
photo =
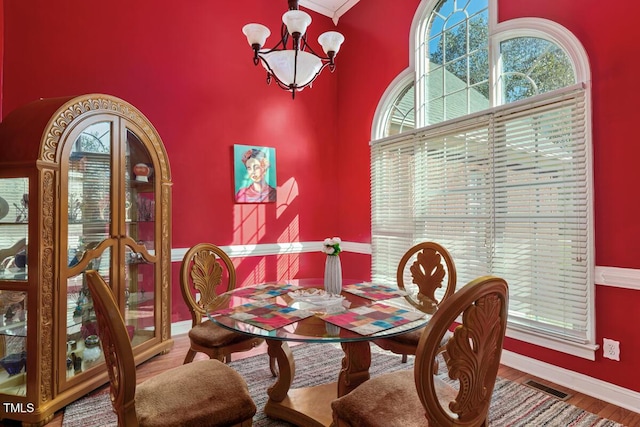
(334, 9)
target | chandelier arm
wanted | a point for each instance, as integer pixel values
(295, 65)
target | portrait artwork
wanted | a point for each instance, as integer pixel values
(255, 174)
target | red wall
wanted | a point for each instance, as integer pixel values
(188, 68)
(378, 35)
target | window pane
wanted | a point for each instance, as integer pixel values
(458, 39)
(401, 116)
(531, 66)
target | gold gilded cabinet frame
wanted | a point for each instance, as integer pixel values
(48, 165)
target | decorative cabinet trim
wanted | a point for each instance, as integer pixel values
(98, 103)
(47, 277)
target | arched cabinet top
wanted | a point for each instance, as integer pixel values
(49, 120)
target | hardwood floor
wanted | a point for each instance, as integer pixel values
(176, 355)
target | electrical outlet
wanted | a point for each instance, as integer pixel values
(611, 349)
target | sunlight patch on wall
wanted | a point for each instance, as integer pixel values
(287, 193)
(250, 223)
(257, 275)
(289, 264)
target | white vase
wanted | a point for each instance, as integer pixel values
(333, 275)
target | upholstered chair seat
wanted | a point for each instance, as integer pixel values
(422, 397)
(208, 334)
(205, 393)
(389, 400)
(217, 396)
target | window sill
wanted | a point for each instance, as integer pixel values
(585, 351)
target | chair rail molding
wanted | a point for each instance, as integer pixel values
(628, 278)
(239, 251)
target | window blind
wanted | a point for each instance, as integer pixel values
(508, 193)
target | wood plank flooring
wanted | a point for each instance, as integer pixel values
(176, 356)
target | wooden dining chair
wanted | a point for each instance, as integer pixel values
(203, 393)
(421, 397)
(429, 264)
(208, 271)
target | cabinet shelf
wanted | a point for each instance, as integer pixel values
(17, 275)
(14, 329)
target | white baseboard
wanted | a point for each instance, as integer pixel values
(585, 384)
(180, 328)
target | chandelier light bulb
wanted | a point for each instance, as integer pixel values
(256, 34)
(331, 42)
(296, 21)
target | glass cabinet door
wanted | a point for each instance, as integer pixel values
(89, 229)
(14, 218)
(140, 260)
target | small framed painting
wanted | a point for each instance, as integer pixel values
(255, 174)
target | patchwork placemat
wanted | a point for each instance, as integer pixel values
(264, 315)
(373, 291)
(264, 290)
(374, 318)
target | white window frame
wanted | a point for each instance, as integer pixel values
(498, 32)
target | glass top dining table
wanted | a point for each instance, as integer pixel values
(312, 328)
(243, 309)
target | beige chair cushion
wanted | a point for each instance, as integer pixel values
(413, 337)
(410, 338)
(218, 397)
(208, 334)
(388, 400)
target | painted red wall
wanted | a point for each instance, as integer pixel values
(188, 67)
(378, 36)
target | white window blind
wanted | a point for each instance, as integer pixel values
(508, 193)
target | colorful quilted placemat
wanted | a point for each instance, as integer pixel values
(264, 290)
(374, 318)
(265, 315)
(373, 292)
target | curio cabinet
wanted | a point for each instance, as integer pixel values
(84, 185)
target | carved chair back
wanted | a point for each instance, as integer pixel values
(208, 271)
(116, 348)
(429, 264)
(473, 352)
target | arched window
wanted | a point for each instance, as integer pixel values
(498, 167)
